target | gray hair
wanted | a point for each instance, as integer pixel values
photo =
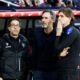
(53, 16)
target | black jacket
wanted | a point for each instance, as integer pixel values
(13, 57)
(44, 57)
(69, 38)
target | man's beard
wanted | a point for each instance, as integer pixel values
(44, 26)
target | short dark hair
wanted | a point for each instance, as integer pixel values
(53, 16)
(11, 19)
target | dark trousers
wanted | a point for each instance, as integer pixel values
(44, 75)
(68, 74)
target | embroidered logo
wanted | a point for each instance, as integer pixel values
(7, 45)
(23, 45)
(69, 30)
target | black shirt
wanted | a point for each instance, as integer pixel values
(44, 57)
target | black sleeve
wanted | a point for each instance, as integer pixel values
(26, 55)
(65, 41)
(1, 51)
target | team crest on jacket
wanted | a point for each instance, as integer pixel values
(7, 45)
(69, 31)
(23, 45)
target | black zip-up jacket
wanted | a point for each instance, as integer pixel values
(13, 57)
(69, 38)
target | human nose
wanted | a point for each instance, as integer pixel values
(59, 18)
(43, 19)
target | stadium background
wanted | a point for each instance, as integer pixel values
(30, 18)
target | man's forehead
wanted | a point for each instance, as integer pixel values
(47, 14)
(14, 22)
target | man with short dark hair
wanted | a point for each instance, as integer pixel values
(13, 53)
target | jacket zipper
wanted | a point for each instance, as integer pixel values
(19, 64)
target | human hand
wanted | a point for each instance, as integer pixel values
(64, 52)
(59, 28)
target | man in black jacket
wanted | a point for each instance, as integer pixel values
(13, 53)
(44, 58)
(67, 36)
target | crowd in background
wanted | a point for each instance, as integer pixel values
(46, 3)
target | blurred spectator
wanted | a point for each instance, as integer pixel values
(28, 3)
(69, 3)
(37, 2)
(44, 3)
(21, 3)
(24, 3)
(60, 3)
(41, 1)
(76, 3)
